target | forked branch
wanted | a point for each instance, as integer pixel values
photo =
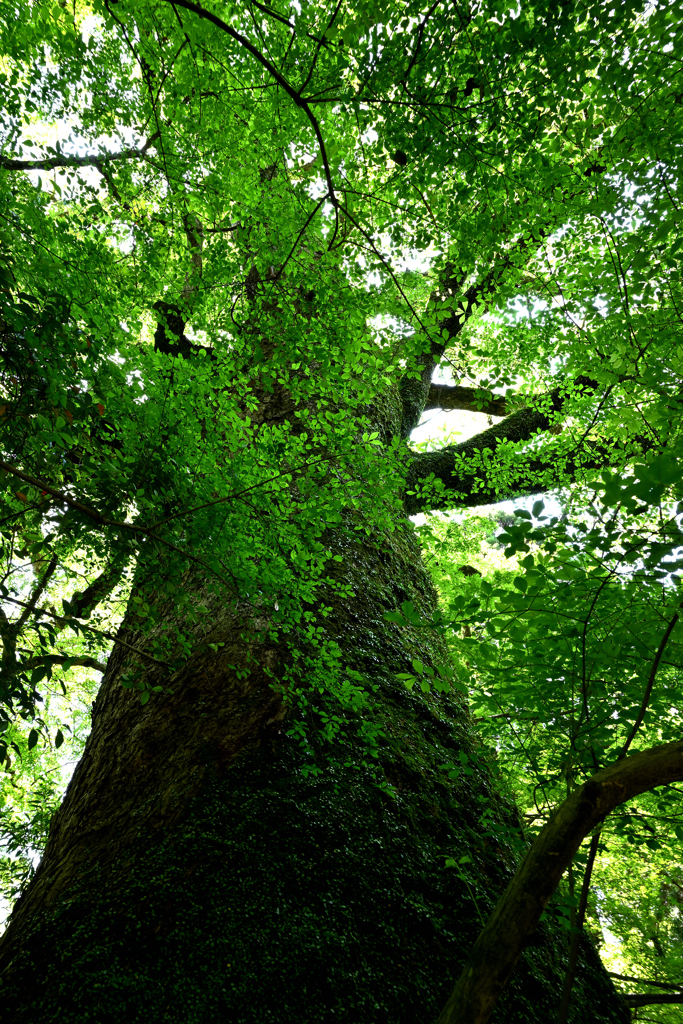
(454, 483)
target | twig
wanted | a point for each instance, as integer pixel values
(272, 70)
(648, 689)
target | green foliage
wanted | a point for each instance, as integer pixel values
(215, 296)
(573, 656)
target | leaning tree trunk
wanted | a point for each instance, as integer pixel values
(195, 872)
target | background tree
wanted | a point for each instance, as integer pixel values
(215, 352)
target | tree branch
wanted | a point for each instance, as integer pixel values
(650, 683)
(414, 392)
(532, 475)
(270, 13)
(67, 621)
(82, 661)
(273, 71)
(643, 999)
(646, 981)
(449, 396)
(105, 521)
(38, 591)
(516, 916)
(53, 162)
(583, 901)
(84, 602)
(8, 637)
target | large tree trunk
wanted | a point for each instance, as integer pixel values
(194, 873)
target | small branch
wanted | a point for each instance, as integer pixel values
(72, 502)
(297, 240)
(37, 593)
(320, 44)
(414, 392)
(238, 494)
(104, 520)
(273, 71)
(387, 266)
(576, 935)
(283, 21)
(219, 231)
(418, 44)
(648, 689)
(67, 621)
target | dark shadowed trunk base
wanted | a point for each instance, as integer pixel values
(264, 895)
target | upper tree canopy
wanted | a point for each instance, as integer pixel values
(237, 242)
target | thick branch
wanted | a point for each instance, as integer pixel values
(449, 396)
(62, 160)
(531, 476)
(644, 1000)
(414, 393)
(37, 593)
(514, 920)
(84, 602)
(8, 638)
(194, 232)
(441, 465)
(646, 981)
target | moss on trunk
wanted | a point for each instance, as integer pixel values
(195, 874)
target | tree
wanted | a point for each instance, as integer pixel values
(215, 353)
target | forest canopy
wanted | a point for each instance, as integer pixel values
(246, 249)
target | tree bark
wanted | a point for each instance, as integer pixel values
(212, 861)
(199, 870)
